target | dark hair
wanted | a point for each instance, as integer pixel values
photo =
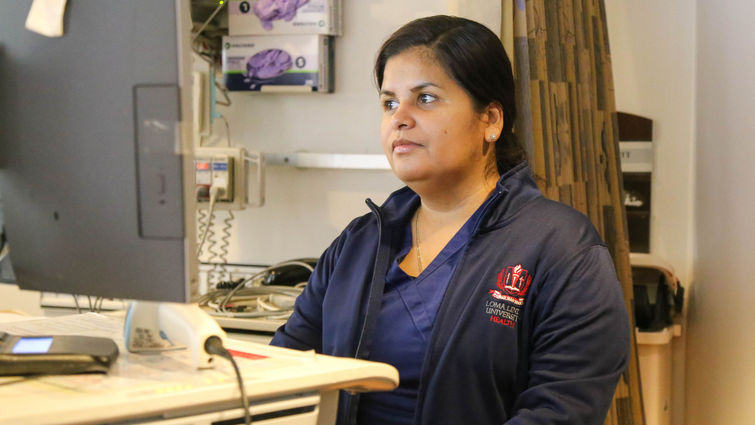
(475, 58)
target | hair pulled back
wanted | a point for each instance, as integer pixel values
(474, 57)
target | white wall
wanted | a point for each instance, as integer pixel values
(653, 55)
(721, 338)
(16, 300)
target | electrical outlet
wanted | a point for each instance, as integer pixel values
(227, 168)
(216, 167)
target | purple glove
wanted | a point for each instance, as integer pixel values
(272, 10)
(268, 64)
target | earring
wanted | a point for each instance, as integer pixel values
(492, 137)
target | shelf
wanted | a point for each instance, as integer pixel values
(328, 160)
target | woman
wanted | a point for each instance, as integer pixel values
(495, 304)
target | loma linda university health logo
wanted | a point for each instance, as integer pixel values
(513, 283)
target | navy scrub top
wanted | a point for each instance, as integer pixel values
(405, 322)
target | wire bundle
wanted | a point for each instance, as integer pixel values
(251, 298)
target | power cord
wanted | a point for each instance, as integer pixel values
(3, 244)
(76, 302)
(215, 191)
(214, 345)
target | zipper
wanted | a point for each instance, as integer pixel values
(374, 302)
(377, 285)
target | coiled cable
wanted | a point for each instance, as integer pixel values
(220, 271)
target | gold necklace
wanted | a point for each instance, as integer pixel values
(416, 243)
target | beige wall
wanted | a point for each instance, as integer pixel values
(653, 54)
(14, 299)
(721, 337)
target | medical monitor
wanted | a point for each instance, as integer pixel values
(95, 150)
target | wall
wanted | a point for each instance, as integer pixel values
(653, 54)
(14, 299)
(721, 337)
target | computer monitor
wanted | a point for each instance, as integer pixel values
(95, 150)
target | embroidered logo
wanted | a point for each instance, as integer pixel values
(513, 283)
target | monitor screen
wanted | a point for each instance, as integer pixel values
(95, 150)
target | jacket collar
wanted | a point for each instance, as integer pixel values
(515, 188)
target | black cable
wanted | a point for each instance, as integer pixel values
(229, 284)
(214, 345)
(98, 308)
(76, 301)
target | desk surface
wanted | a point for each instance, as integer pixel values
(166, 385)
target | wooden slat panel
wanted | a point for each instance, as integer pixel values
(571, 127)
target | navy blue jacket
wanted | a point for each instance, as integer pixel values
(532, 328)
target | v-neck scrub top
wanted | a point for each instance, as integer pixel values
(405, 324)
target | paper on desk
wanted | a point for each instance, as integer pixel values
(132, 373)
(88, 324)
(13, 316)
(105, 326)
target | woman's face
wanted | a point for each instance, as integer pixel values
(430, 131)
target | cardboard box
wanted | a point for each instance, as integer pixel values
(280, 63)
(260, 17)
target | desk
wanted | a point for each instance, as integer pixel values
(285, 387)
